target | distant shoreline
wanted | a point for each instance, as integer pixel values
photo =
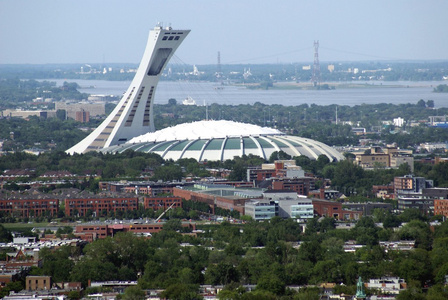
(340, 85)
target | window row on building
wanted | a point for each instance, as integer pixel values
(83, 207)
(29, 207)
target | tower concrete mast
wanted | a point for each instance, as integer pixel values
(134, 116)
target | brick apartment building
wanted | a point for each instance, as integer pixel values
(29, 207)
(301, 186)
(411, 184)
(82, 116)
(156, 203)
(441, 207)
(99, 206)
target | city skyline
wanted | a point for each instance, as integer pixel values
(51, 31)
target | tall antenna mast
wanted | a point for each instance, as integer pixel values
(316, 67)
(218, 66)
(336, 115)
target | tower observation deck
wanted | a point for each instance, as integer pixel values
(133, 116)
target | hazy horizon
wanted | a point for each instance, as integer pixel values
(244, 32)
(230, 64)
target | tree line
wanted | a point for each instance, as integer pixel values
(266, 254)
(344, 176)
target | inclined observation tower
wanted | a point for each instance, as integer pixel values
(133, 116)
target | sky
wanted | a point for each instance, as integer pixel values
(243, 31)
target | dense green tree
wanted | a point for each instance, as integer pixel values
(346, 174)
(181, 291)
(119, 258)
(15, 286)
(279, 155)
(271, 283)
(168, 173)
(366, 232)
(5, 235)
(59, 263)
(133, 293)
(417, 230)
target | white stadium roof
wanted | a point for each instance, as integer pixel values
(222, 140)
(205, 130)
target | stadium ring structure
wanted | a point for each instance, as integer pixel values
(221, 140)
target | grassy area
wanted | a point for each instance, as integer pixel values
(29, 226)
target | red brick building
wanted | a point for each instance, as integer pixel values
(441, 207)
(103, 231)
(333, 209)
(29, 207)
(301, 186)
(156, 203)
(225, 202)
(145, 190)
(99, 206)
(82, 116)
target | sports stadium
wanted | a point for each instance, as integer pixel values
(222, 140)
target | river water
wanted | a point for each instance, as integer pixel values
(208, 92)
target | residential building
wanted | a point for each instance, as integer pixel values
(38, 283)
(301, 185)
(156, 203)
(387, 285)
(7, 276)
(29, 207)
(398, 245)
(16, 174)
(399, 122)
(441, 207)
(98, 206)
(82, 116)
(410, 193)
(410, 184)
